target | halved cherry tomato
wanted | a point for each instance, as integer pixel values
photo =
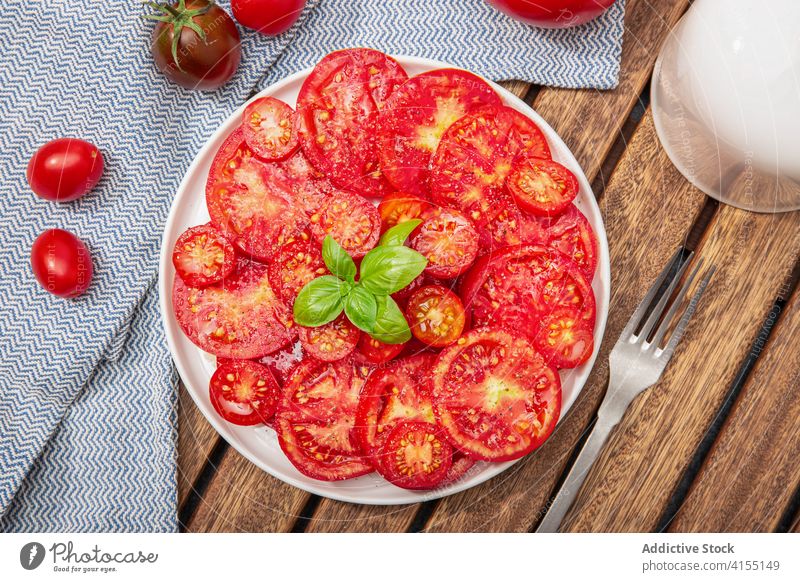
(399, 207)
(572, 234)
(352, 221)
(371, 351)
(241, 317)
(417, 115)
(449, 242)
(494, 396)
(269, 129)
(244, 392)
(316, 418)
(415, 456)
(564, 339)
(436, 315)
(295, 264)
(332, 341)
(393, 394)
(202, 256)
(542, 186)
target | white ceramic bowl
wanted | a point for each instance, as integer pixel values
(260, 444)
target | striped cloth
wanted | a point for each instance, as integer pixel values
(87, 390)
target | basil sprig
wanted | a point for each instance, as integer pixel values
(386, 269)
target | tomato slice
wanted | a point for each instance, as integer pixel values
(416, 117)
(494, 396)
(241, 317)
(202, 256)
(475, 156)
(337, 113)
(564, 339)
(449, 242)
(415, 456)
(436, 315)
(269, 129)
(310, 187)
(399, 207)
(316, 418)
(371, 351)
(391, 395)
(459, 467)
(330, 342)
(282, 362)
(352, 221)
(572, 234)
(295, 264)
(542, 186)
(244, 392)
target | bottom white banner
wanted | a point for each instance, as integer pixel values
(400, 556)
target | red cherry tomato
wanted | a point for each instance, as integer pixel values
(202, 256)
(415, 456)
(269, 129)
(65, 169)
(61, 263)
(371, 351)
(541, 186)
(564, 338)
(399, 207)
(332, 341)
(553, 13)
(436, 315)
(267, 16)
(244, 392)
(449, 242)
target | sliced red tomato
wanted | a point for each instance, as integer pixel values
(459, 467)
(494, 396)
(352, 221)
(371, 351)
(564, 339)
(310, 186)
(542, 186)
(202, 256)
(316, 418)
(475, 156)
(435, 315)
(415, 456)
(391, 395)
(416, 117)
(500, 224)
(399, 207)
(449, 241)
(241, 317)
(244, 392)
(295, 264)
(280, 362)
(330, 342)
(337, 110)
(269, 129)
(572, 234)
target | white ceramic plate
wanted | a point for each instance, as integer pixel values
(260, 444)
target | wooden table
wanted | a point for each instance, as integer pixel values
(714, 446)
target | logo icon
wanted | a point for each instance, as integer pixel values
(31, 555)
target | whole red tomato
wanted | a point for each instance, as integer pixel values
(553, 13)
(193, 60)
(64, 169)
(267, 16)
(61, 263)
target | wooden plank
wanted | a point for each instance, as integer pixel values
(751, 474)
(646, 200)
(196, 439)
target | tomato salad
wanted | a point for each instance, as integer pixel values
(443, 270)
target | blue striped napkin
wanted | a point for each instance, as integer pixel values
(87, 389)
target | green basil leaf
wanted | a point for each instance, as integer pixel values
(398, 234)
(320, 301)
(361, 308)
(391, 326)
(337, 260)
(386, 270)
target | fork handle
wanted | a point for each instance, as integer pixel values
(577, 475)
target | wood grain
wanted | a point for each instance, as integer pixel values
(747, 482)
(196, 439)
(629, 486)
(646, 199)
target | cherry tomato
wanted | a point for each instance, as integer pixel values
(269, 129)
(267, 16)
(244, 392)
(65, 169)
(293, 265)
(352, 221)
(564, 338)
(184, 56)
(553, 13)
(449, 242)
(494, 396)
(436, 315)
(332, 341)
(399, 207)
(61, 263)
(371, 351)
(542, 186)
(415, 456)
(202, 256)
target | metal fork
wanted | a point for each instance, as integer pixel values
(636, 363)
